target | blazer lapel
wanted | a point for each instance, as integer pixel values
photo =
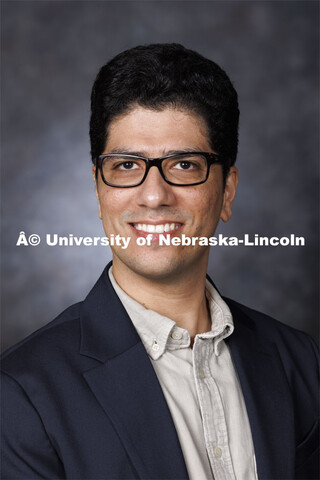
(127, 387)
(267, 397)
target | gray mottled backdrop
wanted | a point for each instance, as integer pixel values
(51, 54)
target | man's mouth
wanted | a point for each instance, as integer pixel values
(159, 228)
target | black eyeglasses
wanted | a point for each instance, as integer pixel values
(181, 169)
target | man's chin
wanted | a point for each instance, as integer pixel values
(156, 267)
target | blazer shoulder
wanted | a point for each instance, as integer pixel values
(49, 341)
(269, 330)
(261, 321)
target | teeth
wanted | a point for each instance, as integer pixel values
(166, 227)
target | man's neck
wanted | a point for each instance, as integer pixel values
(181, 299)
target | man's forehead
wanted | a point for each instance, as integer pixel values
(156, 133)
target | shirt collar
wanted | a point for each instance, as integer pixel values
(159, 333)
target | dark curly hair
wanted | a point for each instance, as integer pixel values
(161, 75)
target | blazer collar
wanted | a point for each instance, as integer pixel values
(106, 329)
(126, 386)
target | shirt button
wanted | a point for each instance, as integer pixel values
(217, 452)
(176, 335)
(201, 374)
(155, 346)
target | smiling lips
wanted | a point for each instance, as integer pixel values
(160, 228)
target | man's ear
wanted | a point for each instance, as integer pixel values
(229, 194)
(96, 189)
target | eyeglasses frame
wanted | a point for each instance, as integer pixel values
(211, 158)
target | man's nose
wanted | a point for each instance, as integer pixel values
(155, 191)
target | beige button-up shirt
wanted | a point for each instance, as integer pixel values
(201, 388)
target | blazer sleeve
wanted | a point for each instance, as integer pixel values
(26, 450)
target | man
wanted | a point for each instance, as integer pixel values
(155, 375)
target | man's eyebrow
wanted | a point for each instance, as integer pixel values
(128, 151)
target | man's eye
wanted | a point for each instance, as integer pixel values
(127, 166)
(185, 165)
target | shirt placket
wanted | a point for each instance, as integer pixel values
(211, 408)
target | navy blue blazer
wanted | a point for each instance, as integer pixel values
(81, 399)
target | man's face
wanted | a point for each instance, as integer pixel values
(194, 211)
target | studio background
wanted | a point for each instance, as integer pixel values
(51, 52)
